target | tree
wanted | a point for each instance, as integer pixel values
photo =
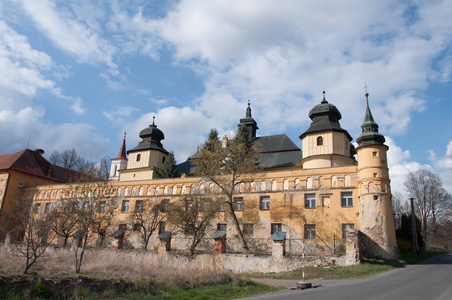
(64, 220)
(430, 197)
(169, 168)
(30, 236)
(68, 159)
(405, 234)
(147, 219)
(228, 167)
(193, 216)
(91, 201)
(398, 208)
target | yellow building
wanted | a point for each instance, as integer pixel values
(313, 194)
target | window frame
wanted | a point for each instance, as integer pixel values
(125, 208)
(139, 205)
(346, 199)
(275, 227)
(319, 141)
(310, 232)
(264, 203)
(101, 207)
(238, 204)
(345, 226)
(248, 229)
(165, 205)
(222, 227)
(310, 200)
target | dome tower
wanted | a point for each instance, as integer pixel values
(376, 219)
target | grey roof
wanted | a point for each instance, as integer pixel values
(219, 234)
(279, 236)
(370, 134)
(280, 160)
(275, 151)
(146, 145)
(275, 143)
(118, 233)
(164, 235)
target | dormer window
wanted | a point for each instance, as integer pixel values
(138, 157)
(319, 141)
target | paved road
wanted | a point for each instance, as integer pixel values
(430, 280)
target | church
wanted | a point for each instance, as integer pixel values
(311, 195)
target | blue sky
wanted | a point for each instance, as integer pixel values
(78, 74)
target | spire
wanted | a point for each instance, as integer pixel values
(249, 122)
(370, 134)
(324, 99)
(122, 151)
(248, 110)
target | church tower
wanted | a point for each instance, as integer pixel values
(249, 122)
(326, 144)
(148, 156)
(118, 163)
(376, 219)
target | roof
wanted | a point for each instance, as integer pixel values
(32, 162)
(279, 236)
(219, 234)
(164, 235)
(275, 143)
(122, 151)
(275, 151)
(151, 139)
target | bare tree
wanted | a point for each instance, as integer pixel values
(147, 217)
(228, 166)
(398, 207)
(64, 220)
(30, 236)
(430, 197)
(92, 200)
(193, 216)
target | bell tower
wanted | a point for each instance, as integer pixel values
(118, 163)
(376, 218)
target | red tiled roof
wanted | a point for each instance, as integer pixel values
(33, 163)
(122, 151)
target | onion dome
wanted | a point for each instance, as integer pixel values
(325, 117)
(370, 134)
(151, 139)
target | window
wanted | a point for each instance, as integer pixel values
(102, 206)
(248, 229)
(162, 226)
(222, 227)
(122, 226)
(137, 227)
(275, 227)
(163, 159)
(125, 206)
(86, 206)
(344, 229)
(221, 207)
(309, 232)
(265, 202)
(47, 208)
(319, 141)
(346, 199)
(138, 157)
(139, 206)
(309, 200)
(165, 205)
(238, 204)
(37, 207)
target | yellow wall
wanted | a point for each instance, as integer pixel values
(149, 158)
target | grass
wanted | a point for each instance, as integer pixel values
(366, 268)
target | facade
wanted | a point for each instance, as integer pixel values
(314, 194)
(26, 168)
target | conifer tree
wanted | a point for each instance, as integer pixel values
(169, 168)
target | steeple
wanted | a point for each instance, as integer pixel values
(249, 122)
(122, 151)
(370, 134)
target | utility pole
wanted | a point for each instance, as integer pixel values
(413, 228)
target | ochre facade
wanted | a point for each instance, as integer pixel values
(314, 194)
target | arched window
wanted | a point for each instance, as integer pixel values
(163, 159)
(319, 141)
(138, 157)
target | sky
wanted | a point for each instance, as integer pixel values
(79, 73)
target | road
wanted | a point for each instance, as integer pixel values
(430, 280)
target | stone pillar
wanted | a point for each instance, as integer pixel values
(164, 242)
(352, 247)
(279, 244)
(219, 244)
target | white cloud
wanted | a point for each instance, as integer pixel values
(77, 106)
(28, 125)
(77, 37)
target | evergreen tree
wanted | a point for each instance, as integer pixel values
(169, 168)
(405, 236)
